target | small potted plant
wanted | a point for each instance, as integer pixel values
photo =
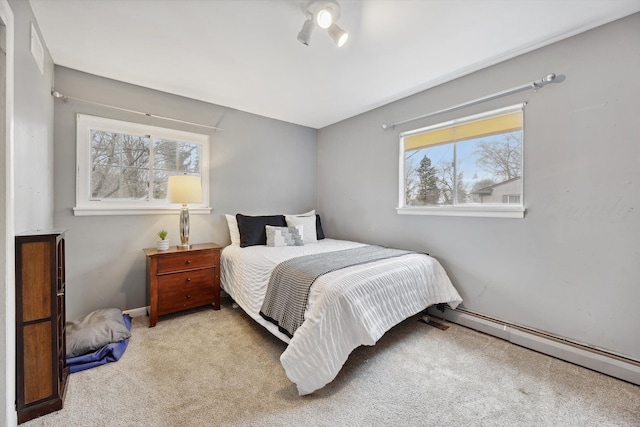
(163, 243)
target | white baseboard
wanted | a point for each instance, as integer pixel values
(595, 359)
(136, 312)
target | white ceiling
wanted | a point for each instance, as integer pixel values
(244, 54)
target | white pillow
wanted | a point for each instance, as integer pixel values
(308, 223)
(234, 233)
(284, 236)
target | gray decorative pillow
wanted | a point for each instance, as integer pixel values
(95, 330)
(284, 236)
(309, 223)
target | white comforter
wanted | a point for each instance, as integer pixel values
(347, 308)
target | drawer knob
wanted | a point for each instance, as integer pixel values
(188, 296)
(188, 279)
(188, 261)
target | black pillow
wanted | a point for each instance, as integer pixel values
(319, 232)
(252, 228)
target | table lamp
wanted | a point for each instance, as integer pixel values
(184, 189)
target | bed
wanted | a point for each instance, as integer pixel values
(346, 308)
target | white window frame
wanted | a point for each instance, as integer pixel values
(492, 211)
(85, 206)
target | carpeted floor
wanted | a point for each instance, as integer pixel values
(219, 368)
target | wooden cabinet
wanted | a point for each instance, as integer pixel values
(41, 364)
(180, 279)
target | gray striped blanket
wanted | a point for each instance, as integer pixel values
(291, 280)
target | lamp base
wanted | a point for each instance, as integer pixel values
(184, 227)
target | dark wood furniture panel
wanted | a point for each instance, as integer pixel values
(38, 355)
(179, 279)
(36, 297)
(191, 260)
(180, 291)
(41, 364)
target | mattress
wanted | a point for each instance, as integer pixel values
(347, 308)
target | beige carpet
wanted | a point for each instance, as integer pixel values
(219, 368)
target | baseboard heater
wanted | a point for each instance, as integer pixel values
(592, 358)
(136, 312)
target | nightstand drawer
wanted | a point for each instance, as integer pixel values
(187, 261)
(181, 291)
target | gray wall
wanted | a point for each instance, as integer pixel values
(571, 267)
(258, 166)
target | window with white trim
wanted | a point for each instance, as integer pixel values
(123, 167)
(470, 166)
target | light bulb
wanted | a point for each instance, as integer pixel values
(324, 18)
(343, 39)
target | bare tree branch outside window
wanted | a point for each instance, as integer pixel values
(121, 167)
(502, 157)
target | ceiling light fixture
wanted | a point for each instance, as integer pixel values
(304, 36)
(338, 35)
(323, 13)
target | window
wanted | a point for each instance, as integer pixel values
(470, 166)
(123, 168)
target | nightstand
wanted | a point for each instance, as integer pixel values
(180, 279)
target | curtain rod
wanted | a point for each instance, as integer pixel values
(64, 98)
(535, 85)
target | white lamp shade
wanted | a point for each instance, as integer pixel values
(184, 189)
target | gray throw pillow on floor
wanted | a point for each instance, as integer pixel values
(95, 330)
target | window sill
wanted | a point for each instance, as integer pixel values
(136, 210)
(486, 212)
